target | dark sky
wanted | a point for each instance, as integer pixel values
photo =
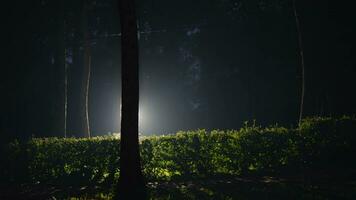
(203, 64)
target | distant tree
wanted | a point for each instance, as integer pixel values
(84, 98)
(302, 64)
(65, 94)
(131, 183)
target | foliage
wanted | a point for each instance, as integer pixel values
(327, 142)
(319, 143)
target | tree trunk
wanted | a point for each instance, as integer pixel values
(301, 53)
(65, 93)
(86, 72)
(131, 183)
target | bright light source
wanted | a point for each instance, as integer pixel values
(142, 117)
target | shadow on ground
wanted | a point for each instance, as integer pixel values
(236, 188)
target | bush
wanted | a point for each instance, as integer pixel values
(319, 143)
(327, 142)
(73, 161)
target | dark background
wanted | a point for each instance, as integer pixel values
(203, 64)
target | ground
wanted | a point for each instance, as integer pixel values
(323, 187)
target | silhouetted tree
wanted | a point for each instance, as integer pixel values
(84, 97)
(65, 93)
(131, 183)
(301, 53)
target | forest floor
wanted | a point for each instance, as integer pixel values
(229, 188)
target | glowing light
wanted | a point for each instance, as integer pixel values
(142, 117)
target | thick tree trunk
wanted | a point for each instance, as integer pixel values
(131, 183)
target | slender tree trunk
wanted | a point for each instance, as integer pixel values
(86, 72)
(87, 95)
(301, 53)
(131, 183)
(65, 93)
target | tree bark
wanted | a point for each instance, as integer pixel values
(131, 183)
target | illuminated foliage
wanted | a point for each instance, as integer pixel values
(318, 144)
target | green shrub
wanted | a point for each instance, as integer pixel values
(78, 160)
(319, 143)
(327, 142)
(266, 150)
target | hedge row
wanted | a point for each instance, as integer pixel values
(318, 143)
